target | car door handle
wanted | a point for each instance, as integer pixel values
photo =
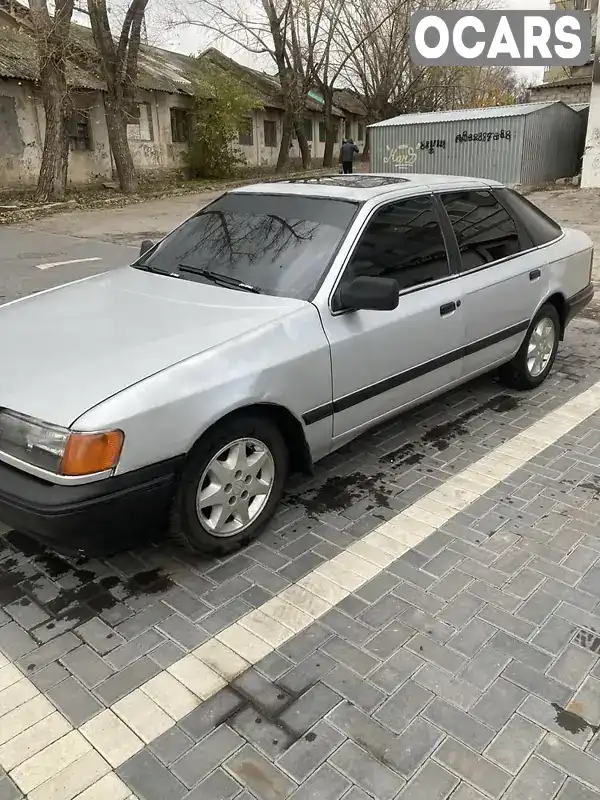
(448, 308)
(535, 274)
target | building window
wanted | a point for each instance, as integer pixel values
(348, 129)
(246, 132)
(307, 126)
(79, 131)
(270, 128)
(322, 132)
(361, 131)
(139, 122)
(180, 128)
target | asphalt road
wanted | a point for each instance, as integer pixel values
(31, 261)
(33, 254)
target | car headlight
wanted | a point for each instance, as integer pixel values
(56, 449)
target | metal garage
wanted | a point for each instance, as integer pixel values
(522, 144)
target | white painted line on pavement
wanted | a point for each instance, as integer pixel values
(48, 746)
(51, 264)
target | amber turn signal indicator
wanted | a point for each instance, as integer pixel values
(87, 453)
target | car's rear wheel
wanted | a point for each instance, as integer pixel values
(530, 367)
(232, 485)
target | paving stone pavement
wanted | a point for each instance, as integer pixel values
(453, 656)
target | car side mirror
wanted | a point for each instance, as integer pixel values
(368, 294)
(146, 245)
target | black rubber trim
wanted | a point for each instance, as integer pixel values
(577, 302)
(360, 396)
(94, 517)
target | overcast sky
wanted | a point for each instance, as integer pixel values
(192, 40)
(529, 5)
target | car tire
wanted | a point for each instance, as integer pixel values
(216, 511)
(530, 367)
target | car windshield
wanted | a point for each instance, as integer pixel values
(274, 244)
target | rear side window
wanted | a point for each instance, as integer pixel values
(540, 227)
(484, 229)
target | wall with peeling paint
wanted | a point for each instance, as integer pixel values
(20, 154)
(22, 127)
(258, 153)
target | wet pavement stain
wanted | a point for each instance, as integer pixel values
(593, 485)
(589, 640)
(153, 581)
(442, 436)
(406, 454)
(572, 722)
(85, 595)
(341, 491)
(336, 494)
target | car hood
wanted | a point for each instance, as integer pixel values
(68, 349)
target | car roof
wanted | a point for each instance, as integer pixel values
(360, 187)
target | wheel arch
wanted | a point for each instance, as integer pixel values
(289, 426)
(558, 300)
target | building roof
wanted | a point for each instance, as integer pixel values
(158, 69)
(18, 59)
(266, 86)
(463, 114)
(571, 80)
(361, 186)
(349, 101)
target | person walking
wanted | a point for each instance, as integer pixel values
(347, 151)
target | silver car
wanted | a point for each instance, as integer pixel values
(266, 331)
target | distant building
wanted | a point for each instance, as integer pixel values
(158, 118)
(570, 84)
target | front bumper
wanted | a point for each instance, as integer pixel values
(95, 518)
(577, 302)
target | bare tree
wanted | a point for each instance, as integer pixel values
(328, 50)
(376, 37)
(264, 28)
(119, 65)
(474, 87)
(52, 41)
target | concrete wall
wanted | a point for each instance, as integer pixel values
(259, 154)
(22, 128)
(19, 134)
(93, 165)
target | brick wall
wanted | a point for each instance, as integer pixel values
(568, 94)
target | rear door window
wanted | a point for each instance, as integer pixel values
(484, 230)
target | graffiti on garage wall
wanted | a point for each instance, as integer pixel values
(431, 144)
(404, 155)
(483, 136)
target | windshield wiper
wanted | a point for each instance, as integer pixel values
(219, 278)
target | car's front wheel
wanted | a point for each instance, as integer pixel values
(530, 367)
(232, 484)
